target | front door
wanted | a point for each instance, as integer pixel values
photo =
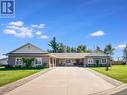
(97, 61)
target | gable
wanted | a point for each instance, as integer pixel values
(28, 48)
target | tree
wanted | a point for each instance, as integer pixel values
(125, 53)
(73, 49)
(89, 51)
(54, 45)
(81, 48)
(98, 50)
(109, 51)
(68, 49)
(61, 48)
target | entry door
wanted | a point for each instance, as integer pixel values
(97, 61)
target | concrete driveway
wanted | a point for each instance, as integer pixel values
(64, 81)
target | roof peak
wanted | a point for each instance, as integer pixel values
(30, 49)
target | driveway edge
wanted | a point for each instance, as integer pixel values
(119, 90)
(13, 85)
(106, 78)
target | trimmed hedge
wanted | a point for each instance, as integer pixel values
(97, 65)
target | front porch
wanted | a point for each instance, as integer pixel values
(69, 62)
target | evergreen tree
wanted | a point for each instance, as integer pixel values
(54, 45)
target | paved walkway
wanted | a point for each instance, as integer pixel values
(64, 81)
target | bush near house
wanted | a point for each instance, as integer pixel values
(27, 62)
(97, 65)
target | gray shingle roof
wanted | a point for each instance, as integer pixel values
(75, 55)
(96, 54)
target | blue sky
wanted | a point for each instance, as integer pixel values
(73, 22)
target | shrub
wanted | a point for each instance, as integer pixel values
(28, 62)
(38, 67)
(45, 65)
(18, 66)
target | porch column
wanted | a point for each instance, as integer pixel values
(55, 62)
(52, 62)
(84, 62)
(49, 62)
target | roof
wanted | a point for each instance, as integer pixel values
(28, 48)
(97, 54)
(32, 49)
(76, 55)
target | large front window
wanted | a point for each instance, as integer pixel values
(38, 60)
(90, 60)
(18, 61)
(103, 60)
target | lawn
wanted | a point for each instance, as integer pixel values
(11, 75)
(118, 72)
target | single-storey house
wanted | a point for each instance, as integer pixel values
(3, 61)
(39, 57)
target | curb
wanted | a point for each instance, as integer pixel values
(20, 82)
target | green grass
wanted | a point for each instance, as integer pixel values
(11, 75)
(118, 72)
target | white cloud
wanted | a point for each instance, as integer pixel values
(38, 26)
(17, 23)
(121, 46)
(9, 31)
(24, 32)
(19, 30)
(44, 37)
(38, 33)
(12, 27)
(97, 33)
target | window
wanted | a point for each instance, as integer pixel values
(18, 61)
(103, 60)
(90, 60)
(38, 60)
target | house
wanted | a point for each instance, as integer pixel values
(3, 61)
(39, 57)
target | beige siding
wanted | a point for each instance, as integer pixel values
(96, 58)
(85, 61)
(11, 61)
(45, 60)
